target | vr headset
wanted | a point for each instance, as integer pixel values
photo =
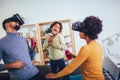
(18, 19)
(79, 26)
(15, 18)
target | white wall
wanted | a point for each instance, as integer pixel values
(35, 11)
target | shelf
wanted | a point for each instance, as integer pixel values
(43, 37)
(26, 25)
(64, 36)
(46, 23)
(35, 30)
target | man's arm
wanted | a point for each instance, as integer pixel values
(14, 65)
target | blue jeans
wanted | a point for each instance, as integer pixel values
(76, 77)
(57, 65)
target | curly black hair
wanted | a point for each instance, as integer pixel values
(93, 25)
(56, 22)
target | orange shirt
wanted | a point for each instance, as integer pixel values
(90, 61)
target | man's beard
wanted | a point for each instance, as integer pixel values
(17, 28)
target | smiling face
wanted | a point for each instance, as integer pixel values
(55, 29)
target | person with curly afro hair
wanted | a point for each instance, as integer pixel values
(90, 55)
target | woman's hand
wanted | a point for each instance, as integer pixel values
(50, 75)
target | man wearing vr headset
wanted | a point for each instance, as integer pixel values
(15, 53)
(90, 55)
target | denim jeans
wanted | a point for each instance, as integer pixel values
(57, 65)
(75, 77)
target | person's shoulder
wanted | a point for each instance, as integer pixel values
(60, 34)
(85, 47)
(2, 39)
(22, 38)
(47, 35)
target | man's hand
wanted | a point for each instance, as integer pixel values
(15, 65)
(18, 64)
(50, 75)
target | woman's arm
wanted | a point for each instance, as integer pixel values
(82, 56)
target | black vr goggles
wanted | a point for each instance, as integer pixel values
(79, 26)
(15, 18)
(18, 19)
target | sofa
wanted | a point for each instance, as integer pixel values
(43, 70)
